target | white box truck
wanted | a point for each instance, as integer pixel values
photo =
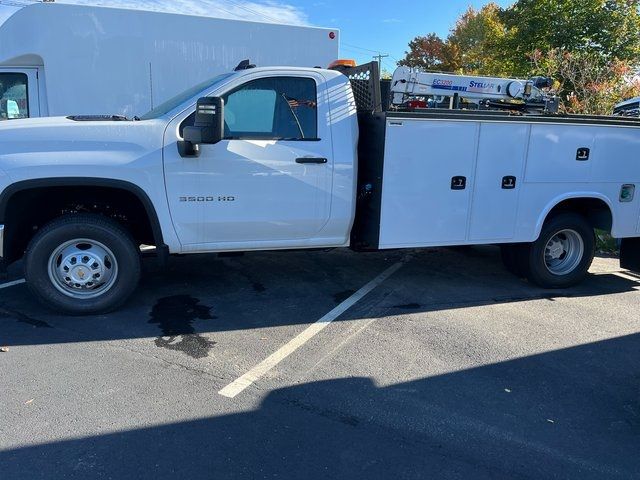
(58, 59)
(288, 158)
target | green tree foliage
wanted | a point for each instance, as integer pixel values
(558, 37)
(473, 46)
(604, 29)
(478, 36)
(585, 83)
(427, 53)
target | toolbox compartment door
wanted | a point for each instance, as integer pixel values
(427, 183)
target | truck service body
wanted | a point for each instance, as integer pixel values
(58, 59)
(286, 158)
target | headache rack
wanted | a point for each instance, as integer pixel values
(365, 83)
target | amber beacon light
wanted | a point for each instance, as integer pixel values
(343, 63)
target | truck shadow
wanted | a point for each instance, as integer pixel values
(569, 413)
(199, 295)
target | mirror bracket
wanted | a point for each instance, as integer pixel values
(188, 149)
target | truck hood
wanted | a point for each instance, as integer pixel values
(59, 146)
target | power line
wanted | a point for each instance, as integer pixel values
(255, 12)
(380, 57)
(360, 48)
(349, 49)
(390, 66)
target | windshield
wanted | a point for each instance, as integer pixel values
(176, 101)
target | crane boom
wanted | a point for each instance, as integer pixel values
(408, 83)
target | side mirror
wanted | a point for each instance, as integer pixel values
(208, 127)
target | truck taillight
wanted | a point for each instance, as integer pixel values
(416, 104)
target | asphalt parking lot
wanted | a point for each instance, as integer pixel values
(304, 365)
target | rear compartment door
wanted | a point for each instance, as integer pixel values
(19, 96)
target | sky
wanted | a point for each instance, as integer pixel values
(366, 27)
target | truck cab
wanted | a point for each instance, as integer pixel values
(283, 174)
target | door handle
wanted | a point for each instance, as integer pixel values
(305, 160)
(458, 183)
(509, 182)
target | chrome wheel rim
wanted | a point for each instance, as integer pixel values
(563, 252)
(83, 268)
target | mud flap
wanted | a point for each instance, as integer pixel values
(630, 254)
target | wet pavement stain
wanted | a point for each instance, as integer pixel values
(258, 287)
(22, 318)
(342, 296)
(175, 316)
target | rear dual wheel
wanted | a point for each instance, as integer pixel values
(561, 256)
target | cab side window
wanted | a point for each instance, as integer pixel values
(275, 108)
(13, 96)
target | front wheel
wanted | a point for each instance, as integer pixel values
(82, 264)
(563, 253)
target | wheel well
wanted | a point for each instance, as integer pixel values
(596, 211)
(28, 210)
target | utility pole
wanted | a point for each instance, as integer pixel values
(379, 57)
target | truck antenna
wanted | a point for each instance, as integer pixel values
(244, 65)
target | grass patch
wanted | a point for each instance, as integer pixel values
(605, 243)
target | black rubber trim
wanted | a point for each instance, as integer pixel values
(14, 188)
(630, 254)
(365, 234)
(496, 116)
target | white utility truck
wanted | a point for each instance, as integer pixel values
(289, 158)
(58, 59)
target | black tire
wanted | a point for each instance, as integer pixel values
(515, 258)
(539, 273)
(82, 226)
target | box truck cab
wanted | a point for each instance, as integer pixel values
(58, 59)
(19, 93)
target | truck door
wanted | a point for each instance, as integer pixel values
(499, 176)
(268, 183)
(19, 93)
(428, 177)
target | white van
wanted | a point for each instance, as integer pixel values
(58, 59)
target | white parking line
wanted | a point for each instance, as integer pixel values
(241, 383)
(626, 276)
(12, 284)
